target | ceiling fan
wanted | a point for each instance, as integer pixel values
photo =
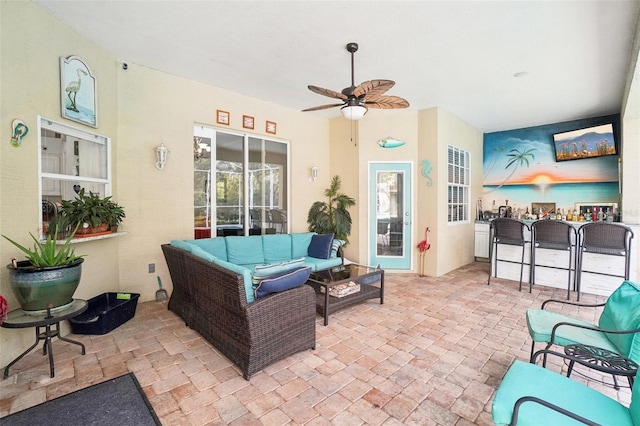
(357, 99)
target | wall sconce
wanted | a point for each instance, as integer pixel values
(313, 175)
(161, 155)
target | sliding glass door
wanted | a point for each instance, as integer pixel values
(240, 184)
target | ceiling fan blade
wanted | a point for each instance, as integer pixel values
(318, 108)
(386, 102)
(327, 92)
(373, 87)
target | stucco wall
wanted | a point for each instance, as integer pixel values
(138, 108)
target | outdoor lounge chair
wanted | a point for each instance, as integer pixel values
(616, 334)
(532, 395)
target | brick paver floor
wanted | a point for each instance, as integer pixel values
(433, 354)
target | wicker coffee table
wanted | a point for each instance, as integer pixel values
(369, 279)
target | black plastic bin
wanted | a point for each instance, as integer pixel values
(105, 312)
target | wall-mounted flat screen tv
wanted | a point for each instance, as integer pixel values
(589, 142)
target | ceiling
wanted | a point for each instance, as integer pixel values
(497, 65)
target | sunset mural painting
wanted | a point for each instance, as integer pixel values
(520, 166)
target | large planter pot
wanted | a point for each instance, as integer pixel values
(40, 288)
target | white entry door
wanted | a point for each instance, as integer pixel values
(390, 215)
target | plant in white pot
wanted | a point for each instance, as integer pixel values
(48, 278)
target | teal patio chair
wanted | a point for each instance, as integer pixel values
(617, 331)
(532, 395)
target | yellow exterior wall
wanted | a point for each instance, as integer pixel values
(31, 43)
(455, 242)
(378, 124)
(138, 109)
(426, 135)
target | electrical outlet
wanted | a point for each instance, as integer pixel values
(152, 268)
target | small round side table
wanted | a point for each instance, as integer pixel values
(602, 360)
(50, 322)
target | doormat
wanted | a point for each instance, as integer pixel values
(120, 401)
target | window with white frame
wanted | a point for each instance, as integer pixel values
(457, 185)
(70, 159)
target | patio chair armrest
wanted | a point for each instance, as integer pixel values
(569, 302)
(549, 405)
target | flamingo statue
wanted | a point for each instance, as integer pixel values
(72, 89)
(423, 246)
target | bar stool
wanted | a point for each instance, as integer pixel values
(510, 232)
(612, 239)
(553, 235)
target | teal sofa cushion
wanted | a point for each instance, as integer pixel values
(282, 281)
(319, 264)
(197, 251)
(622, 312)
(525, 379)
(216, 246)
(246, 276)
(276, 247)
(244, 250)
(300, 244)
(182, 245)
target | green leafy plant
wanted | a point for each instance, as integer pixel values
(332, 216)
(46, 253)
(59, 226)
(92, 210)
(115, 213)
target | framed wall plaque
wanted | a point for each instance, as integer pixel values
(78, 100)
(247, 122)
(222, 117)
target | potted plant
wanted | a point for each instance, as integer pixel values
(93, 213)
(332, 216)
(115, 215)
(59, 224)
(49, 276)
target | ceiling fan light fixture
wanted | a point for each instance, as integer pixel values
(353, 112)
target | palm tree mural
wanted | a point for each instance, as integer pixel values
(494, 159)
(517, 159)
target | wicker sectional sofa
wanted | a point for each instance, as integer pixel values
(210, 293)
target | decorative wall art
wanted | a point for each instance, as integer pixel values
(78, 100)
(247, 122)
(425, 169)
(222, 117)
(271, 127)
(390, 142)
(18, 131)
(521, 165)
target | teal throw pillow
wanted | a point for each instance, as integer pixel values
(283, 281)
(261, 272)
(335, 245)
(320, 246)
